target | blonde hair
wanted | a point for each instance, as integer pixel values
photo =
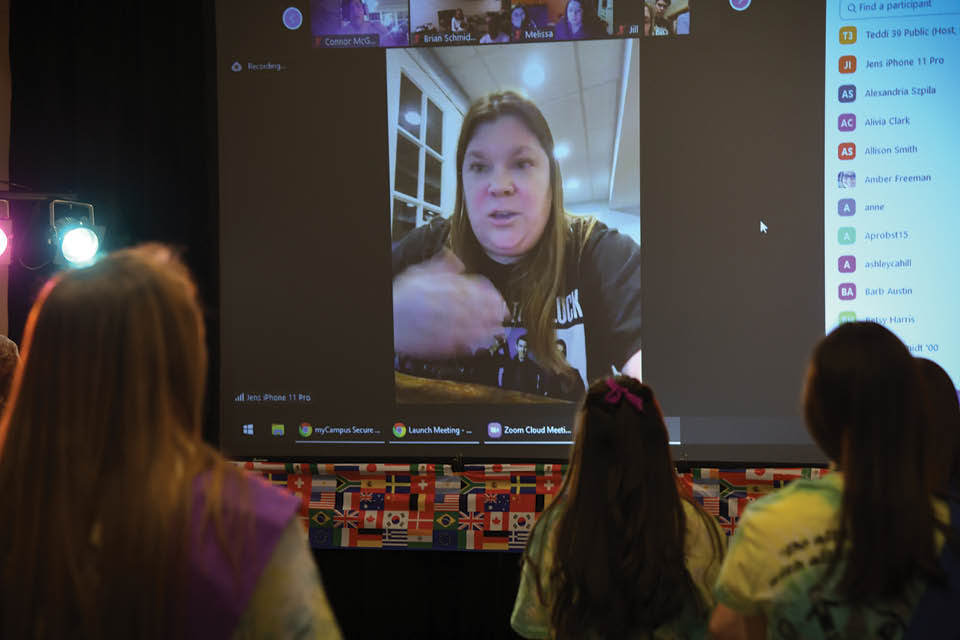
(539, 276)
(99, 447)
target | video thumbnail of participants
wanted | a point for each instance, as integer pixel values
(515, 216)
(651, 17)
(359, 23)
(492, 22)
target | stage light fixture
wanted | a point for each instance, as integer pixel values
(77, 237)
(79, 245)
(6, 232)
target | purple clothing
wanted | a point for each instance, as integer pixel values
(217, 595)
(562, 31)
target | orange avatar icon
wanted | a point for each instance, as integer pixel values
(846, 151)
(848, 64)
(848, 35)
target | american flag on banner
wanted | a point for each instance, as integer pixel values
(447, 502)
(711, 504)
(488, 507)
(323, 500)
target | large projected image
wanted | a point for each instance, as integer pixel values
(428, 252)
(515, 202)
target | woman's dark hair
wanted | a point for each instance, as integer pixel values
(864, 406)
(943, 409)
(619, 524)
(593, 26)
(527, 24)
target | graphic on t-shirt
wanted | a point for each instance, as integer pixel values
(496, 198)
(779, 559)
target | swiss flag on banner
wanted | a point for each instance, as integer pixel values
(299, 485)
(423, 484)
(549, 484)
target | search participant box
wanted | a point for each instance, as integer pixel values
(859, 10)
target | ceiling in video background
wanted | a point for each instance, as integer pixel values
(578, 88)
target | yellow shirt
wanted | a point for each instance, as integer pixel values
(781, 548)
(531, 618)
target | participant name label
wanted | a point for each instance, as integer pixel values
(348, 41)
(449, 38)
(928, 90)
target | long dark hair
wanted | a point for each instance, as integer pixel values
(864, 407)
(539, 277)
(99, 447)
(943, 409)
(619, 524)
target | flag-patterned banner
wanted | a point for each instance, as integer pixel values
(484, 507)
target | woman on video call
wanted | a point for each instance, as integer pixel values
(577, 23)
(510, 254)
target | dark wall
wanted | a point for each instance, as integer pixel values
(115, 102)
(421, 594)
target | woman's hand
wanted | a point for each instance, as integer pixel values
(440, 312)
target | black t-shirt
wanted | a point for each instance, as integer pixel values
(598, 310)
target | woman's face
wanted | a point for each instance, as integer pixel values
(517, 16)
(574, 15)
(506, 188)
(647, 19)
